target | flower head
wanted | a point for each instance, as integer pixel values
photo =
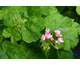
(48, 35)
(57, 32)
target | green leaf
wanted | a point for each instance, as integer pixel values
(2, 13)
(28, 18)
(11, 51)
(65, 54)
(78, 10)
(30, 34)
(33, 50)
(13, 33)
(77, 27)
(34, 11)
(45, 10)
(12, 12)
(37, 22)
(31, 31)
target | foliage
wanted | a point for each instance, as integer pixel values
(24, 26)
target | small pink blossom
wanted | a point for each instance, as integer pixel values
(60, 39)
(52, 39)
(48, 35)
(43, 37)
(56, 41)
(47, 30)
(57, 32)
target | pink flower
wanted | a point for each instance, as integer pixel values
(52, 39)
(57, 42)
(47, 30)
(57, 32)
(43, 37)
(48, 35)
(60, 39)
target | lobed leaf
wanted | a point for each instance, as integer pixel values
(13, 33)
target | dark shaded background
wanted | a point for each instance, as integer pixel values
(76, 51)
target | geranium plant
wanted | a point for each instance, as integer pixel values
(36, 32)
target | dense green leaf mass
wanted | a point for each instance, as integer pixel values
(32, 51)
(65, 54)
(28, 22)
(13, 33)
(11, 51)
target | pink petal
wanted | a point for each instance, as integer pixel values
(60, 35)
(60, 39)
(57, 32)
(47, 30)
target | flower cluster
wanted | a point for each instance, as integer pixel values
(47, 35)
(57, 32)
(56, 38)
